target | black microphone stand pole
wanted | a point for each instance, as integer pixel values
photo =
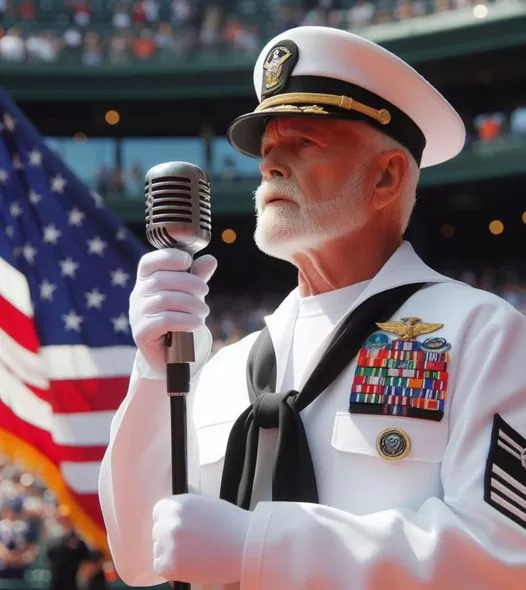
(180, 352)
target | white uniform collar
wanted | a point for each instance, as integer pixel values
(404, 267)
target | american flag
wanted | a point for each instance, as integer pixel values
(67, 266)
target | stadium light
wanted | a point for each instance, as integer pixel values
(229, 236)
(496, 227)
(112, 117)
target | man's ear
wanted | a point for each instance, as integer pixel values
(393, 167)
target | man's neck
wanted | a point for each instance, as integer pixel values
(343, 262)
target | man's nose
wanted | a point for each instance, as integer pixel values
(272, 166)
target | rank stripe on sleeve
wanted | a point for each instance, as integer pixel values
(505, 478)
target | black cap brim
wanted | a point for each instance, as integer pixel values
(245, 132)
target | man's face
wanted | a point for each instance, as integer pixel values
(315, 180)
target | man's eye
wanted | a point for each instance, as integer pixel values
(305, 141)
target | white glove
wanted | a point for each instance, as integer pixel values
(167, 298)
(199, 539)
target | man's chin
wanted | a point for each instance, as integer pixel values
(282, 247)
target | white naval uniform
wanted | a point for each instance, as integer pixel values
(418, 523)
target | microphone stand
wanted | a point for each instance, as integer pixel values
(177, 196)
(180, 353)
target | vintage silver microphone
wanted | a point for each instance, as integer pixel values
(178, 215)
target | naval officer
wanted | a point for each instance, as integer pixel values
(371, 436)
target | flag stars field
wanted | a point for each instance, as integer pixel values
(65, 266)
(121, 324)
(34, 197)
(51, 234)
(96, 246)
(94, 299)
(46, 290)
(119, 277)
(73, 321)
(35, 157)
(75, 217)
(68, 267)
(58, 183)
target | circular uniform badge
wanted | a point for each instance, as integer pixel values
(393, 444)
(377, 340)
(435, 345)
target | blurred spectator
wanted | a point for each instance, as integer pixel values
(138, 14)
(135, 179)
(228, 171)
(65, 551)
(81, 13)
(151, 11)
(165, 41)
(121, 18)
(44, 46)
(12, 47)
(361, 14)
(144, 46)
(232, 30)
(518, 122)
(91, 572)
(73, 38)
(17, 546)
(209, 34)
(92, 54)
(404, 10)
(26, 10)
(116, 181)
(102, 180)
(119, 50)
(489, 126)
(247, 40)
(181, 13)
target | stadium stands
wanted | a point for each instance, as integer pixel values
(92, 32)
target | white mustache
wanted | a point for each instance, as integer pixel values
(271, 188)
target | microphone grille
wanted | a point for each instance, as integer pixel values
(205, 210)
(178, 210)
(168, 199)
(159, 237)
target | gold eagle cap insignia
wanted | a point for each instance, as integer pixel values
(409, 328)
(274, 65)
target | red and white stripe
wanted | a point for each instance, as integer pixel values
(59, 399)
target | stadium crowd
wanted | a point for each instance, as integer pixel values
(38, 541)
(122, 31)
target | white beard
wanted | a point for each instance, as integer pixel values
(284, 229)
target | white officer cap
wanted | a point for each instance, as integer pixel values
(329, 73)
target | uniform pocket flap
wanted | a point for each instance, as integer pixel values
(389, 437)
